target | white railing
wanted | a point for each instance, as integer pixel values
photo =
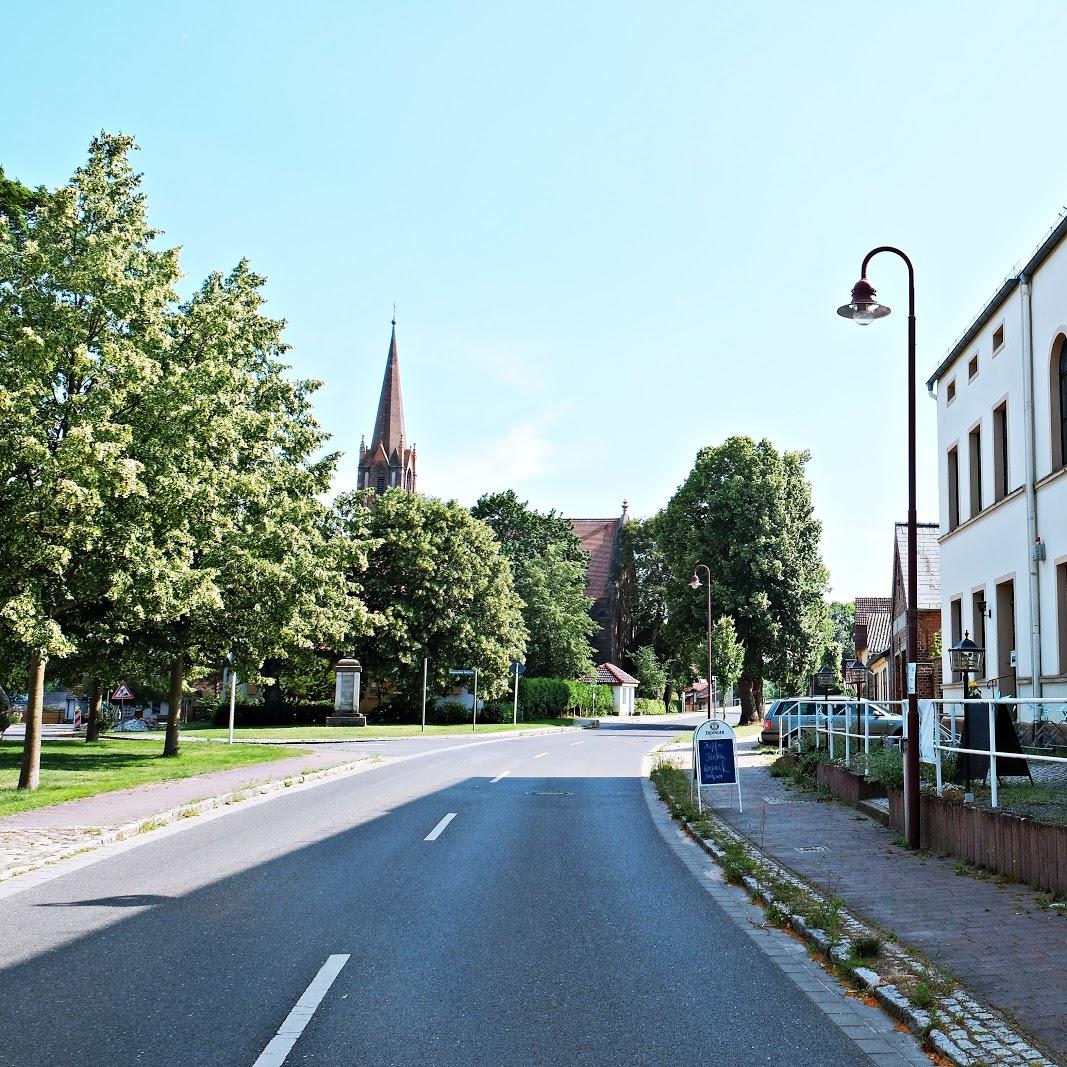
(1039, 723)
(1032, 715)
(834, 718)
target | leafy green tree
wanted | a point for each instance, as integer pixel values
(644, 597)
(745, 510)
(650, 672)
(549, 569)
(438, 587)
(81, 289)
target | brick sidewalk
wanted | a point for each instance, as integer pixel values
(32, 838)
(994, 938)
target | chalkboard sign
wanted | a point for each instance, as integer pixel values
(715, 757)
(716, 761)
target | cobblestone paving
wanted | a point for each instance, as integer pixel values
(994, 938)
(23, 848)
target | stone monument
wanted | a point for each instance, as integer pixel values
(346, 693)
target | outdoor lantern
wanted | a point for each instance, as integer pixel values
(966, 657)
(694, 582)
(863, 307)
(824, 679)
(855, 672)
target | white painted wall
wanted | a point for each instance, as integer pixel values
(995, 545)
(622, 699)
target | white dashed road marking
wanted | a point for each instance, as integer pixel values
(498, 777)
(282, 1043)
(439, 829)
(540, 754)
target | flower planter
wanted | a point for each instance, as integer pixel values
(1023, 850)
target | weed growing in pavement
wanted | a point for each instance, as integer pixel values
(867, 946)
(922, 996)
(737, 862)
(149, 825)
(826, 915)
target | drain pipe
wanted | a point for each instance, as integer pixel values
(1030, 449)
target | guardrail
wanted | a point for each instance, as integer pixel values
(833, 718)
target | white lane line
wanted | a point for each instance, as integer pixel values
(499, 776)
(439, 829)
(573, 743)
(282, 1043)
(540, 754)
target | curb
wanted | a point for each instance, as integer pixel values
(191, 809)
(148, 735)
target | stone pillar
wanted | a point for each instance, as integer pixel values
(346, 694)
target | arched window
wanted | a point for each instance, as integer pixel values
(1062, 383)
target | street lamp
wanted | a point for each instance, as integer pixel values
(864, 308)
(966, 658)
(695, 583)
(856, 675)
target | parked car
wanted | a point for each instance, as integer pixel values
(804, 713)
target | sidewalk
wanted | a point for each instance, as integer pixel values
(994, 938)
(32, 838)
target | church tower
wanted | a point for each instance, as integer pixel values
(388, 463)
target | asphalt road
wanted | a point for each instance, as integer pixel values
(548, 922)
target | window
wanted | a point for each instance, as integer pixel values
(974, 459)
(950, 393)
(1058, 402)
(1005, 626)
(1061, 613)
(1000, 452)
(998, 338)
(978, 610)
(956, 628)
(972, 368)
(953, 488)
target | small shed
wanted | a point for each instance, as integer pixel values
(623, 687)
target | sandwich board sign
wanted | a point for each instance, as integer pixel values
(715, 757)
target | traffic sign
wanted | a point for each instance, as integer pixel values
(461, 672)
(517, 667)
(715, 757)
(122, 693)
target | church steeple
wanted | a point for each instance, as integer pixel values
(388, 463)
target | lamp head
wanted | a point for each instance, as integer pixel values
(695, 582)
(863, 307)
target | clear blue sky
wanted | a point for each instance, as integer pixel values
(616, 232)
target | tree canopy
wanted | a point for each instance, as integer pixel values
(745, 510)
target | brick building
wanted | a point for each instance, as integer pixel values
(605, 581)
(928, 677)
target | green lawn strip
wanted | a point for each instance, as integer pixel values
(351, 733)
(73, 769)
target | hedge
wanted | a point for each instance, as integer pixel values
(550, 698)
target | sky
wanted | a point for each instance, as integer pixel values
(615, 232)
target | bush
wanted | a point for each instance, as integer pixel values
(649, 706)
(496, 711)
(245, 715)
(886, 765)
(550, 698)
(448, 713)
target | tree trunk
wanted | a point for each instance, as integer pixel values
(30, 773)
(96, 701)
(667, 696)
(751, 698)
(174, 699)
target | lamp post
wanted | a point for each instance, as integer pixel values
(864, 308)
(695, 583)
(966, 658)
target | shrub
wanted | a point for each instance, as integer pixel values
(649, 706)
(550, 698)
(448, 713)
(496, 711)
(886, 765)
(311, 713)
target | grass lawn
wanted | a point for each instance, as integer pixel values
(350, 733)
(72, 769)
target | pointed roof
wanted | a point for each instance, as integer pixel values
(389, 425)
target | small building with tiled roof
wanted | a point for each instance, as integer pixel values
(874, 617)
(623, 687)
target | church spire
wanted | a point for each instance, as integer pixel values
(389, 425)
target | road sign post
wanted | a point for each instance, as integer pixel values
(715, 757)
(517, 668)
(425, 669)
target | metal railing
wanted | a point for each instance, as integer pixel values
(833, 718)
(1039, 723)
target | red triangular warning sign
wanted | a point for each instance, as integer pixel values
(122, 693)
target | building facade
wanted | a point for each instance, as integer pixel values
(606, 581)
(1002, 442)
(388, 463)
(927, 674)
(873, 623)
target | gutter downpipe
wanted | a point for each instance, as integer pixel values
(1030, 450)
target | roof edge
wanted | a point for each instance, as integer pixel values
(1044, 250)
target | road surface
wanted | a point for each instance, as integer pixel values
(519, 901)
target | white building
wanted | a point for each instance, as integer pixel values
(1002, 443)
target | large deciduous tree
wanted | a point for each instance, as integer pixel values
(439, 588)
(745, 510)
(549, 569)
